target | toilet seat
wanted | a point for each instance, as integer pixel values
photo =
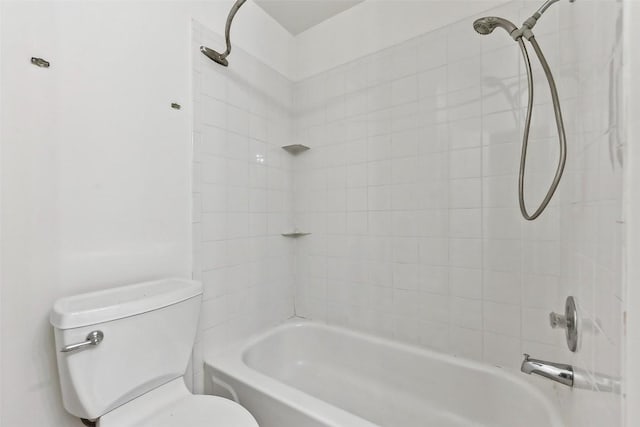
(202, 411)
(172, 405)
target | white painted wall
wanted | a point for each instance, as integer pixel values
(374, 25)
(1, 226)
(632, 213)
(96, 166)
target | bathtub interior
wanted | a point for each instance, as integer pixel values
(390, 384)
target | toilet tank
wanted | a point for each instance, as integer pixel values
(149, 330)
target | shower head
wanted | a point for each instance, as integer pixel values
(214, 56)
(487, 24)
(221, 58)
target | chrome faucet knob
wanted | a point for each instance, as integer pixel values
(568, 322)
(557, 320)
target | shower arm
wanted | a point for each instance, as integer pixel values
(533, 20)
(221, 58)
(545, 6)
(227, 28)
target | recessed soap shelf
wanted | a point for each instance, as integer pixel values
(295, 149)
(295, 234)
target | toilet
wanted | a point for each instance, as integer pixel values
(122, 354)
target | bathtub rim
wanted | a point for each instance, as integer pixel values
(231, 362)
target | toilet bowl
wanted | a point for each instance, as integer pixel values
(122, 354)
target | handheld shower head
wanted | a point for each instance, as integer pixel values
(487, 24)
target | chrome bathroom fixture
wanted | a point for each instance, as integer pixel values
(295, 149)
(486, 26)
(221, 58)
(39, 62)
(568, 322)
(94, 338)
(295, 234)
(558, 372)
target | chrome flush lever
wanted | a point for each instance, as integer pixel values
(94, 338)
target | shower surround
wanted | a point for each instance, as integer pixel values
(243, 197)
(410, 193)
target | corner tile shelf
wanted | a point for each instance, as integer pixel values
(295, 234)
(295, 149)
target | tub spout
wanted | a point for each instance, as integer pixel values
(557, 372)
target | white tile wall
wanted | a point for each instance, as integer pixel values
(410, 190)
(242, 198)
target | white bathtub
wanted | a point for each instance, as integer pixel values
(303, 374)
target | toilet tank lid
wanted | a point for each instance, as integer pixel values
(116, 303)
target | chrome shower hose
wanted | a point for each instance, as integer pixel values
(527, 127)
